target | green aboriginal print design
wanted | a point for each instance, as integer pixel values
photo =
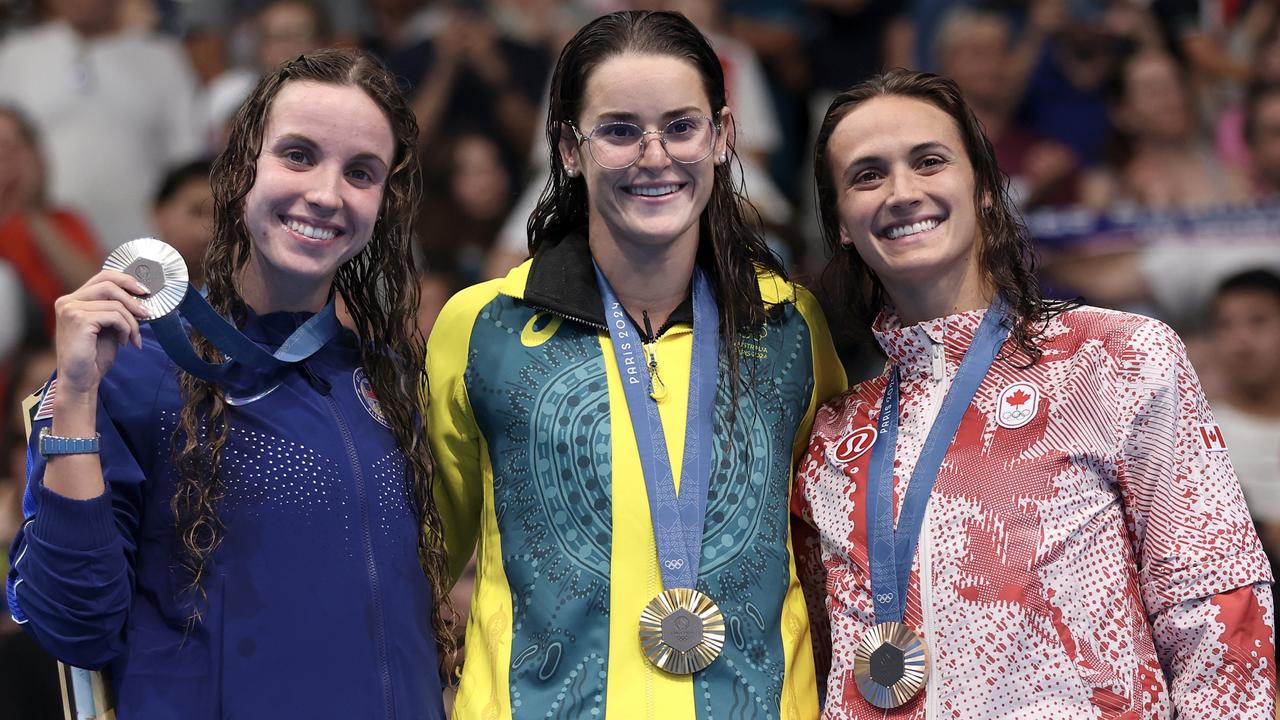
(745, 558)
(542, 403)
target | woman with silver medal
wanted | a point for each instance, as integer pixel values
(244, 526)
(1083, 546)
(616, 420)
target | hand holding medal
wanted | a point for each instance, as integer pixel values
(168, 300)
(158, 267)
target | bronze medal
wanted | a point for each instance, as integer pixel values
(158, 266)
(891, 665)
(681, 631)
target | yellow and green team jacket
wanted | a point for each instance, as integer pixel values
(536, 459)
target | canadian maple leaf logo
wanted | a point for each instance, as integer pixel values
(1017, 398)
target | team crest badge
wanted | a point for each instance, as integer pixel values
(1017, 405)
(852, 446)
(364, 390)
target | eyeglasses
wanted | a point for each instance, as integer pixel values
(617, 145)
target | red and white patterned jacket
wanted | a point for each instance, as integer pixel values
(1086, 552)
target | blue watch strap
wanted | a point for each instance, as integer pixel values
(56, 445)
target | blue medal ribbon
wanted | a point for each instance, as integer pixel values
(678, 519)
(242, 352)
(891, 552)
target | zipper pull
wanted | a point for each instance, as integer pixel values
(657, 390)
(939, 362)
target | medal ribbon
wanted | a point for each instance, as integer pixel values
(312, 335)
(678, 519)
(891, 552)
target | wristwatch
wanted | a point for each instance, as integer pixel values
(55, 445)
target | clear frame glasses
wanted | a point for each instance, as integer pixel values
(615, 145)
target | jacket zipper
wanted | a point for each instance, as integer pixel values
(926, 549)
(380, 634)
(592, 323)
(566, 316)
(926, 609)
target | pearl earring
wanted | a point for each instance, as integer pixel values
(724, 158)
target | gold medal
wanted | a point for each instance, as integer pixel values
(681, 631)
(158, 266)
(891, 665)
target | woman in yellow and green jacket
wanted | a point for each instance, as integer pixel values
(537, 383)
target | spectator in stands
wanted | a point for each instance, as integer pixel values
(435, 287)
(50, 248)
(1079, 45)
(1262, 136)
(114, 109)
(466, 196)
(464, 74)
(219, 34)
(1263, 67)
(1245, 329)
(281, 31)
(183, 214)
(757, 134)
(976, 49)
(1160, 158)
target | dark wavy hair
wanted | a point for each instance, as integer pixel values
(731, 247)
(379, 291)
(1006, 250)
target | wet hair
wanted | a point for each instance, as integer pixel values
(1006, 250)
(177, 178)
(379, 290)
(731, 247)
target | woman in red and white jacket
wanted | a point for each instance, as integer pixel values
(1043, 521)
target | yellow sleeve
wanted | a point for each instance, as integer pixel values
(828, 372)
(455, 438)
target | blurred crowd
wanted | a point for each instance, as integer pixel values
(1141, 138)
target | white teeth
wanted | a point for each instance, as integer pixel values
(314, 233)
(904, 230)
(653, 191)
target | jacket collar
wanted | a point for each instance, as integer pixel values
(560, 280)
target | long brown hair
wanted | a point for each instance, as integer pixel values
(731, 247)
(1006, 251)
(379, 291)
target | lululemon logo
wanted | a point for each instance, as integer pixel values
(854, 445)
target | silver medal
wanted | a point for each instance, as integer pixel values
(158, 266)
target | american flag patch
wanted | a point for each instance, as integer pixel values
(45, 410)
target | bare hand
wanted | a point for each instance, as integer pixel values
(94, 322)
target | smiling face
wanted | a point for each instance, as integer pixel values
(326, 154)
(657, 201)
(905, 189)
